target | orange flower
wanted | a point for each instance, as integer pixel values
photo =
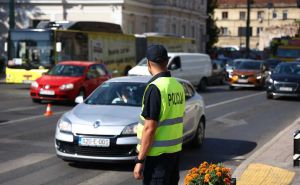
(218, 169)
(219, 174)
(206, 178)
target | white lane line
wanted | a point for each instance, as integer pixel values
(233, 100)
(107, 178)
(23, 161)
(20, 108)
(29, 118)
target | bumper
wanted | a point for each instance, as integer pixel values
(243, 85)
(286, 94)
(58, 96)
(121, 149)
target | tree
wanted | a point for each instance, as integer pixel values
(211, 28)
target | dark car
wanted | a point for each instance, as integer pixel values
(271, 63)
(284, 81)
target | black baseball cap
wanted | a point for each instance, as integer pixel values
(157, 54)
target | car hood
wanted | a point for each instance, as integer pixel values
(139, 70)
(245, 72)
(107, 115)
(286, 78)
(56, 80)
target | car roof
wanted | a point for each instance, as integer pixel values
(289, 63)
(138, 79)
(172, 54)
(244, 59)
(77, 63)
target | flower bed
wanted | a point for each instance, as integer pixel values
(208, 174)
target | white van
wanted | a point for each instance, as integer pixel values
(194, 67)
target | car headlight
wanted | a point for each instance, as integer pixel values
(34, 85)
(270, 80)
(64, 125)
(258, 77)
(67, 86)
(130, 129)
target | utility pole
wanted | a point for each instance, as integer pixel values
(12, 24)
(249, 2)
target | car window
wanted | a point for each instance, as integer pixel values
(175, 64)
(92, 72)
(118, 93)
(67, 70)
(187, 90)
(101, 70)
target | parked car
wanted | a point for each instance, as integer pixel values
(248, 73)
(218, 75)
(194, 67)
(284, 81)
(67, 80)
(103, 127)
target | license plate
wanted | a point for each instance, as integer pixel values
(96, 142)
(285, 89)
(243, 81)
(47, 92)
(27, 81)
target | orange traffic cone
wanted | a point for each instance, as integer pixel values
(48, 110)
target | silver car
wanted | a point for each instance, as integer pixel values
(103, 127)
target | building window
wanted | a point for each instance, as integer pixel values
(242, 15)
(224, 15)
(193, 31)
(260, 15)
(183, 30)
(242, 31)
(224, 31)
(274, 15)
(284, 15)
(259, 30)
(174, 29)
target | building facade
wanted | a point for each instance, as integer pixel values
(176, 17)
(267, 17)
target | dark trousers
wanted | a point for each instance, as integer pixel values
(162, 169)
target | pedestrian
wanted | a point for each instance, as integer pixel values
(161, 126)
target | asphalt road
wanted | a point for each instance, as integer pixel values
(238, 123)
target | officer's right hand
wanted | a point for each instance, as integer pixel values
(137, 172)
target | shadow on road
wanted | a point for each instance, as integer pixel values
(104, 166)
(215, 150)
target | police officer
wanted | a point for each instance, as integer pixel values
(160, 129)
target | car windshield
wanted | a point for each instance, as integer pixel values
(293, 69)
(67, 70)
(272, 63)
(248, 66)
(118, 93)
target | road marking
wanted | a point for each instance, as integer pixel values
(20, 108)
(106, 178)
(23, 161)
(230, 122)
(29, 118)
(233, 100)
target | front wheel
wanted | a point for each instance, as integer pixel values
(200, 134)
(269, 96)
(202, 86)
(231, 87)
(36, 100)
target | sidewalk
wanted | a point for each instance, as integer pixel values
(272, 164)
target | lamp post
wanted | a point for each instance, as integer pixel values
(249, 2)
(12, 24)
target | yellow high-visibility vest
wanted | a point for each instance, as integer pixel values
(169, 131)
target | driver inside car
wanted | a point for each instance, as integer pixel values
(126, 96)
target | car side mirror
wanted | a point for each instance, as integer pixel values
(79, 99)
(173, 67)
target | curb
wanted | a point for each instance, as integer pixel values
(242, 167)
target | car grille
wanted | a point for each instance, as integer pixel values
(243, 76)
(277, 85)
(113, 151)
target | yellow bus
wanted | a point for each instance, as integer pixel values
(33, 52)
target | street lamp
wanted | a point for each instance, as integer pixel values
(12, 24)
(249, 2)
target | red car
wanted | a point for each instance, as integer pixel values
(67, 80)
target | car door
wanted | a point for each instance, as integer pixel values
(175, 67)
(91, 81)
(102, 73)
(190, 111)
